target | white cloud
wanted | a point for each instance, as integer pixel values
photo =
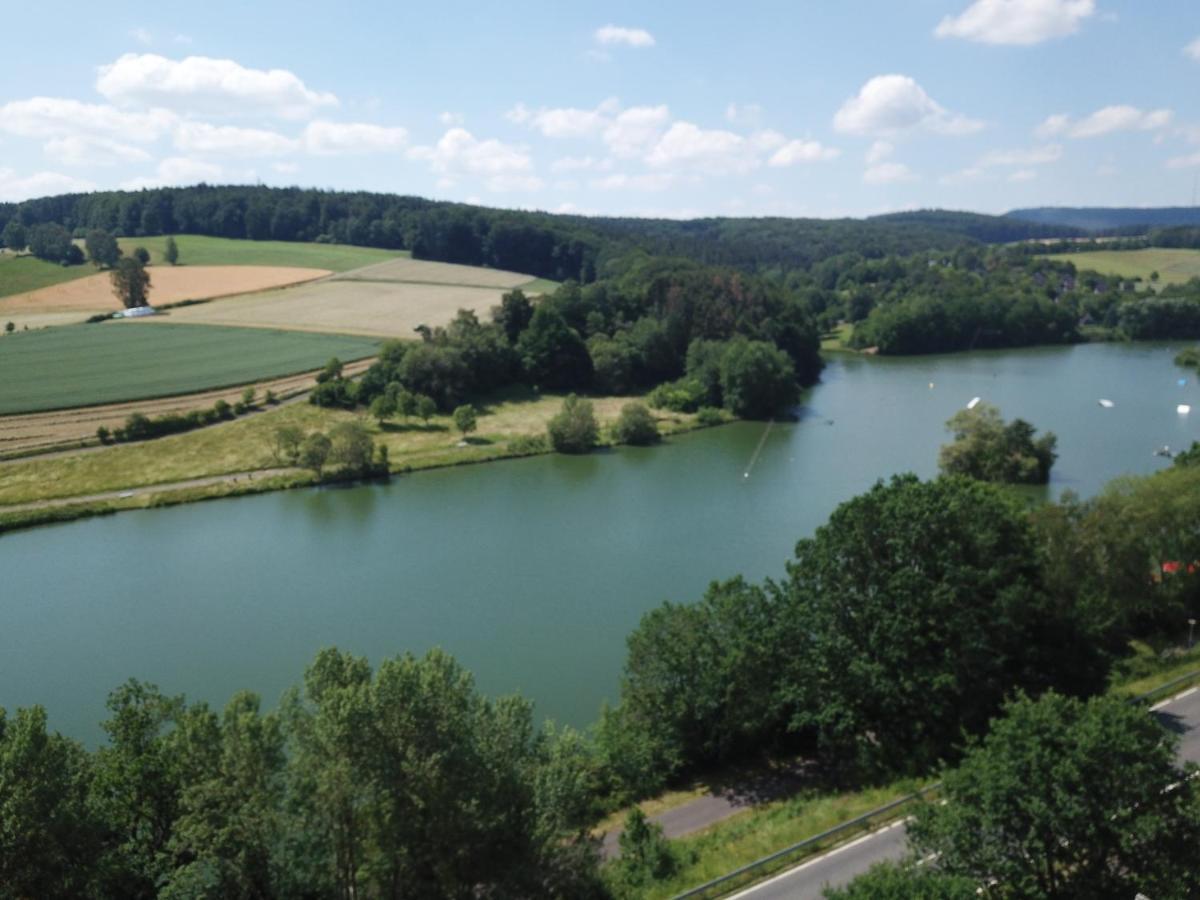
(1105, 121)
(628, 37)
(343, 138)
(451, 118)
(93, 150)
(880, 150)
(176, 170)
(1193, 49)
(888, 173)
(1021, 22)
(201, 137)
(39, 184)
(206, 85)
(892, 104)
(634, 130)
(799, 151)
(1022, 175)
(44, 117)
(504, 166)
(565, 122)
(712, 151)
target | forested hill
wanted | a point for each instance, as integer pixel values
(554, 246)
(1109, 218)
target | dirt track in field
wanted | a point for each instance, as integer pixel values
(168, 284)
(68, 429)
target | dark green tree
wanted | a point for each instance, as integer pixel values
(102, 249)
(905, 881)
(171, 251)
(315, 451)
(464, 419)
(573, 429)
(552, 353)
(757, 379)
(131, 282)
(14, 236)
(914, 611)
(635, 425)
(1065, 798)
(49, 837)
(350, 446)
(988, 448)
(142, 255)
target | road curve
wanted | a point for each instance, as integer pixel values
(809, 880)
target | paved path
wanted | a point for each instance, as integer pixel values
(808, 881)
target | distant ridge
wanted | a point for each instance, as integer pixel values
(1126, 219)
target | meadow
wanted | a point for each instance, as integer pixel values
(82, 365)
(1174, 266)
(419, 271)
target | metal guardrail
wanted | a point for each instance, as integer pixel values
(889, 812)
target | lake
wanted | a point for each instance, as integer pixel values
(531, 572)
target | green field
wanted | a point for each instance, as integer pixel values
(19, 274)
(198, 250)
(1172, 265)
(83, 365)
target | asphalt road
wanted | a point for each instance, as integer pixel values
(809, 880)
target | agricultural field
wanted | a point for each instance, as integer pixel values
(377, 308)
(67, 429)
(419, 271)
(74, 301)
(19, 274)
(200, 250)
(83, 365)
(1174, 266)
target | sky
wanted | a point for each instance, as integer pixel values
(800, 108)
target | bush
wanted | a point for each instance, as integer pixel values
(464, 418)
(574, 429)
(685, 395)
(708, 415)
(103, 434)
(336, 393)
(636, 426)
(528, 445)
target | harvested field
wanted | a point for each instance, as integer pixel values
(377, 308)
(419, 271)
(62, 429)
(85, 365)
(87, 296)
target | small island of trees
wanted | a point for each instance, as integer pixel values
(989, 449)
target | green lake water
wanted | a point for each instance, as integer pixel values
(531, 572)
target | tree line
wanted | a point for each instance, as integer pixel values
(553, 246)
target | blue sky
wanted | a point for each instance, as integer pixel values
(755, 108)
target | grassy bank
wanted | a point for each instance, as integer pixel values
(505, 424)
(1174, 266)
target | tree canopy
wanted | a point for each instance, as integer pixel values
(990, 449)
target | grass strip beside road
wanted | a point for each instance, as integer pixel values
(750, 836)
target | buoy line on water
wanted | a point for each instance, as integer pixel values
(757, 450)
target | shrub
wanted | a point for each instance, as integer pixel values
(103, 434)
(709, 415)
(635, 425)
(528, 445)
(574, 429)
(684, 395)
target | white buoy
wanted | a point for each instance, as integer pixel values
(1183, 409)
(974, 403)
(1107, 404)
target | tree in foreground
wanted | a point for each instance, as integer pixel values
(1066, 798)
(913, 612)
(988, 448)
(636, 425)
(131, 282)
(171, 251)
(574, 428)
